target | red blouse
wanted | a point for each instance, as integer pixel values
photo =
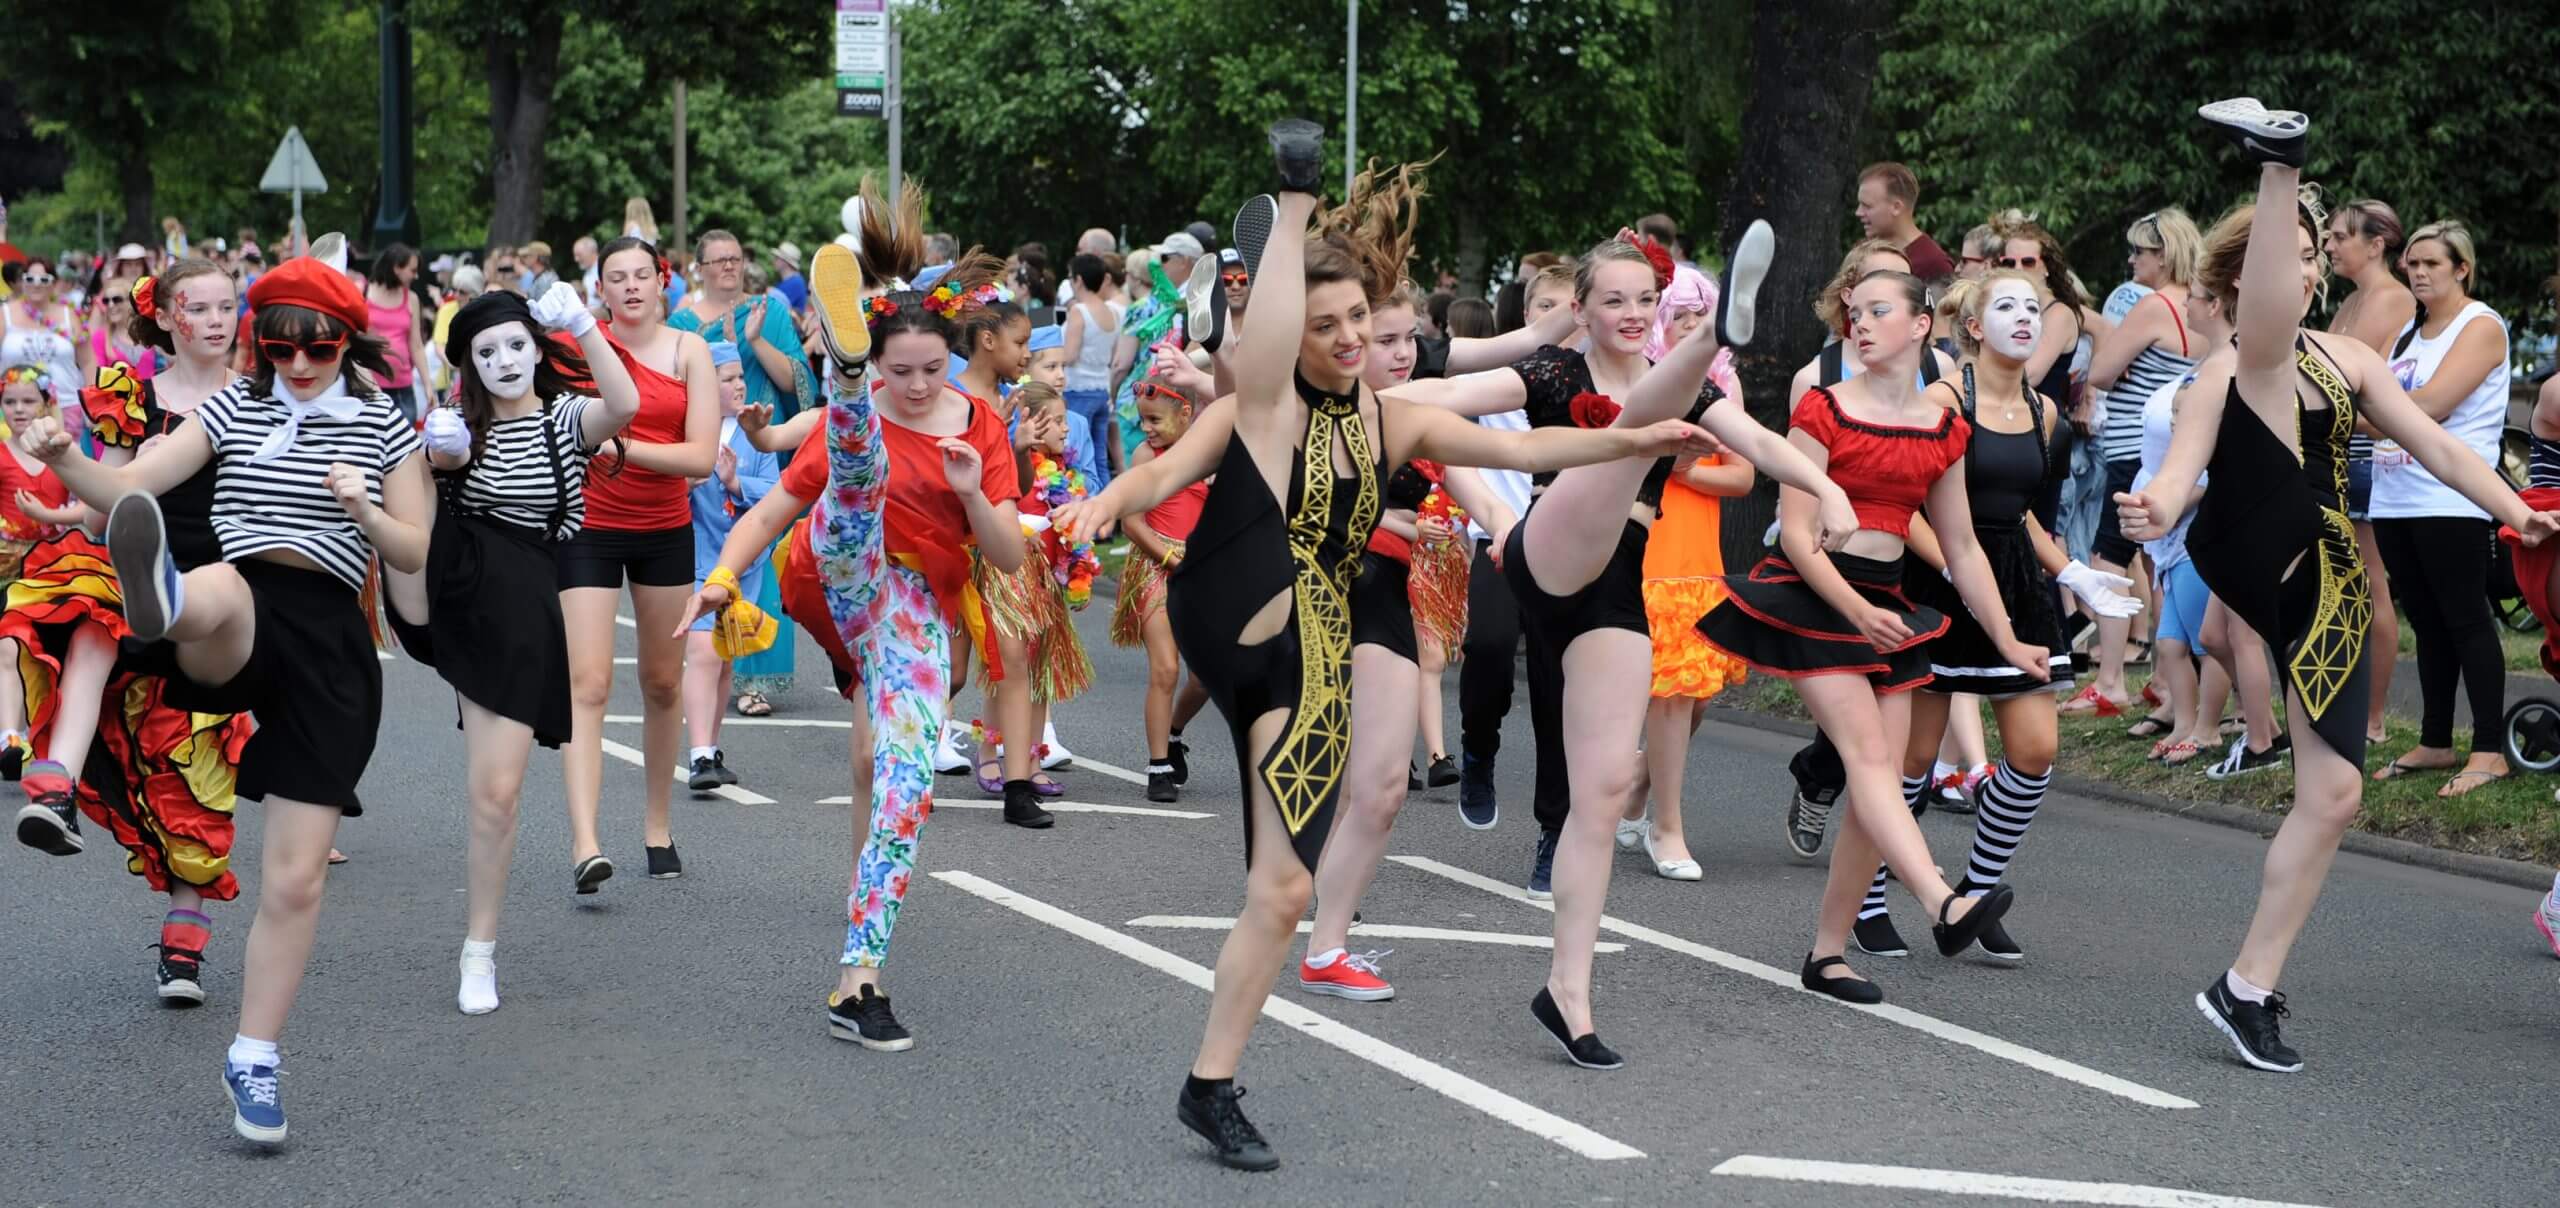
(1887, 469)
(44, 484)
(1174, 519)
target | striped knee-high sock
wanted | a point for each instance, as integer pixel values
(1912, 788)
(2009, 801)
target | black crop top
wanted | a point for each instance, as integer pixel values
(1557, 377)
(2004, 472)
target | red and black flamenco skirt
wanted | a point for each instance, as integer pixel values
(1774, 621)
(160, 779)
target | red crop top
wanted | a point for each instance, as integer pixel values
(1887, 469)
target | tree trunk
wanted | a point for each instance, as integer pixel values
(1812, 63)
(522, 74)
(135, 182)
(1472, 268)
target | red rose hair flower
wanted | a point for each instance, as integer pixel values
(1655, 255)
(1591, 410)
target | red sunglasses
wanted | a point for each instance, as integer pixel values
(318, 348)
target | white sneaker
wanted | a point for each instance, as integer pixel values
(479, 993)
(1059, 756)
(2547, 919)
(947, 758)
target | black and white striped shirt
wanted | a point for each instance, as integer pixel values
(515, 480)
(283, 502)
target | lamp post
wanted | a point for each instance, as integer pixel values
(395, 220)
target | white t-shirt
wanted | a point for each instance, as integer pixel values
(2157, 412)
(2403, 489)
(1510, 486)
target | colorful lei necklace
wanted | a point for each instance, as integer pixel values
(1056, 485)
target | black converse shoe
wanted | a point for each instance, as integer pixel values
(2251, 1027)
(1808, 818)
(1161, 786)
(138, 545)
(720, 768)
(1876, 936)
(1252, 229)
(1022, 806)
(49, 822)
(181, 977)
(1179, 756)
(2270, 136)
(706, 775)
(1738, 306)
(1297, 150)
(1215, 1116)
(865, 1020)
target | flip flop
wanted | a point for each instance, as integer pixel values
(2479, 778)
(2396, 769)
(2149, 727)
(2178, 752)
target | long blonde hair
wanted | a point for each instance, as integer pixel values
(639, 219)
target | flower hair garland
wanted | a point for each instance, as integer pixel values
(1655, 255)
(876, 308)
(146, 297)
(951, 303)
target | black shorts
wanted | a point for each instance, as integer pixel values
(2112, 545)
(1381, 612)
(1615, 600)
(606, 557)
(312, 680)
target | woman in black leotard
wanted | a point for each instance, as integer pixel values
(2272, 539)
(1260, 605)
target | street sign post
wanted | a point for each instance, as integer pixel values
(292, 170)
(862, 58)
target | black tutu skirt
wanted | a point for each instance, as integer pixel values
(1773, 620)
(1963, 658)
(493, 626)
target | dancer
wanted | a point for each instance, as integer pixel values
(1156, 540)
(511, 467)
(1839, 625)
(33, 504)
(165, 787)
(639, 530)
(901, 484)
(2363, 242)
(1260, 605)
(316, 473)
(2008, 462)
(741, 475)
(1029, 609)
(2272, 537)
(995, 337)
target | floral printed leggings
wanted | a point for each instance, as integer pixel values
(890, 621)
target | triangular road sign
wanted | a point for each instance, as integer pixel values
(293, 170)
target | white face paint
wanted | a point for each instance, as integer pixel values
(506, 356)
(2013, 320)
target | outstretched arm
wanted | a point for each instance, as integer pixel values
(1490, 392)
(1467, 355)
(1155, 480)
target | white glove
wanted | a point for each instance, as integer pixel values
(559, 307)
(447, 435)
(2103, 593)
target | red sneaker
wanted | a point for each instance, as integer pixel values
(1351, 975)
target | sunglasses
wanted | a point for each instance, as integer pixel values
(1238, 277)
(37, 279)
(318, 348)
(2017, 262)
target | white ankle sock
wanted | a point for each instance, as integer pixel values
(702, 753)
(1325, 960)
(479, 992)
(1941, 770)
(246, 1053)
(2242, 990)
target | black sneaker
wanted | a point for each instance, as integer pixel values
(1022, 806)
(13, 758)
(1584, 1050)
(1162, 788)
(1808, 819)
(720, 768)
(663, 864)
(2250, 1026)
(1477, 806)
(181, 977)
(706, 775)
(1297, 150)
(138, 545)
(865, 1020)
(592, 872)
(1252, 230)
(1179, 756)
(1412, 779)
(1443, 772)
(1221, 1123)
(1542, 867)
(2273, 136)
(49, 822)
(1876, 936)
(2241, 761)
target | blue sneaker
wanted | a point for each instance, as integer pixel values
(1476, 805)
(1542, 871)
(255, 1110)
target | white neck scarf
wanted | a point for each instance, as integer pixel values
(333, 402)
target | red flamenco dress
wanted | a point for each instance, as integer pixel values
(159, 779)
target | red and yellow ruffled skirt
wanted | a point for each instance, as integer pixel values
(164, 786)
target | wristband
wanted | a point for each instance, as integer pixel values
(723, 578)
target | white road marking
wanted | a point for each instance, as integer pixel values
(1458, 1087)
(1081, 764)
(1384, 931)
(1063, 807)
(2068, 1071)
(624, 660)
(1966, 1182)
(625, 622)
(731, 792)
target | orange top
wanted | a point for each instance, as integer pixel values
(1688, 539)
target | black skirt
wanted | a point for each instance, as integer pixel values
(312, 680)
(493, 626)
(1772, 620)
(1963, 659)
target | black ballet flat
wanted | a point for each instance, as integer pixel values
(1297, 149)
(2269, 136)
(1738, 307)
(1584, 1050)
(1957, 936)
(592, 872)
(1846, 989)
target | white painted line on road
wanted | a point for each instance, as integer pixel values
(1383, 931)
(1466, 1091)
(1063, 807)
(729, 791)
(1080, 764)
(2068, 1071)
(1966, 1182)
(625, 622)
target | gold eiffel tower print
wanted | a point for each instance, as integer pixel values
(1304, 770)
(2333, 645)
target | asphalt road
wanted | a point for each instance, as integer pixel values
(663, 1041)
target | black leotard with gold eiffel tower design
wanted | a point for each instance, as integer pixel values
(2273, 541)
(1245, 551)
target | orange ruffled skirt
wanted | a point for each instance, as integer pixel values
(1683, 581)
(160, 779)
(1437, 590)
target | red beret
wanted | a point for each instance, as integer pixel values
(307, 282)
